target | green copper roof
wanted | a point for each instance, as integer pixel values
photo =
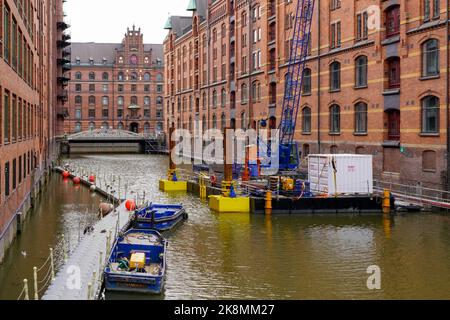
(192, 6)
(168, 24)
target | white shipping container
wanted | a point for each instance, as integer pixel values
(354, 173)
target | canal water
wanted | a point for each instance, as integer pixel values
(227, 256)
(61, 209)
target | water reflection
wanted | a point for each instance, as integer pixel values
(226, 256)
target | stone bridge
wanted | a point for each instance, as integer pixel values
(113, 141)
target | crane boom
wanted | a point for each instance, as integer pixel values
(294, 83)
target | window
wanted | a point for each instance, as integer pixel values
(147, 76)
(392, 21)
(335, 119)
(361, 72)
(7, 191)
(335, 4)
(91, 100)
(6, 117)
(105, 113)
(335, 35)
(223, 100)
(91, 126)
(430, 114)
(393, 65)
(92, 88)
(256, 91)
(133, 59)
(431, 6)
(120, 88)
(214, 99)
(159, 88)
(306, 120)
(430, 58)
(134, 76)
(120, 76)
(159, 77)
(223, 121)
(335, 76)
(78, 87)
(105, 101)
(78, 127)
(134, 100)
(6, 33)
(119, 113)
(306, 81)
(91, 113)
(429, 160)
(146, 101)
(91, 76)
(78, 76)
(361, 118)
(105, 76)
(362, 29)
(214, 121)
(105, 88)
(243, 121)
(393, 120)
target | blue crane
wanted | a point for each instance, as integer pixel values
(288, 153)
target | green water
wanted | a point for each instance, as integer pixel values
(225, 256)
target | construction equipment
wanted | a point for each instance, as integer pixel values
(289, 158)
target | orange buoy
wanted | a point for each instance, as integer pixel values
(76, 180)
(130, 205)
(66, 174)
(92, 178)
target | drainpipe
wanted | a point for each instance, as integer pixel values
(250, 66)
(318, 77)
(448, 94)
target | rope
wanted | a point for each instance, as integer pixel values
(47, 261)
(21, 293)
(45, 285)
(49, 274)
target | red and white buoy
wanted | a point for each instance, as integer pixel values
(130, 205)
(92, 178)
(76, 180)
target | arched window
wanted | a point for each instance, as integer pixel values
(159, 77)
(147, 76)
(134, 76)
(204, 100)
(244, 93)
(361, 72)
(429, 160)
(223, 121)
(78, 127)
(306, 120)
(146, 127)
(146, 101)
(134, 100)
(204, 123)
(78, 99)
(306, 81)
(105, 101)
(105, 76)
(223, 100)
(335, 119)
(214, 99)
(223, 30)
(335, 76)
(361, 118)
(430, 114)
(78, 76)
(159, 100)
(133, 59)
(430, 58)
(214, 121)
(256, 91)
(120, 76)
(91, 100)
(243, 121)
(120, 101)
(91, 75)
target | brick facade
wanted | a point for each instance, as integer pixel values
(29, 49)
(378, 74)
(116, 86)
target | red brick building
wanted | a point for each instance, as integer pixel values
(32, 40)
(116, 85)
(376, 79)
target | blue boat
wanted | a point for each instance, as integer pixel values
(137, 262)
(161, 217)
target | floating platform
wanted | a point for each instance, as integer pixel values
(231, 205)
(168, 186)
(318, 205)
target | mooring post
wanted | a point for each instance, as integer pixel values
(64, 247)
(25, 288)
(89, 291)
(52, 264)
(36, 297)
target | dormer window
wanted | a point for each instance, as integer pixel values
(146, 60)
(120, 59)
(91, 61)
(78, 61)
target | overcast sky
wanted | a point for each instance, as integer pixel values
(107, 20)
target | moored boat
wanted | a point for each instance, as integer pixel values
(137, 262)
(161, 217)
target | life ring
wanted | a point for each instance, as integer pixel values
(213, 179)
